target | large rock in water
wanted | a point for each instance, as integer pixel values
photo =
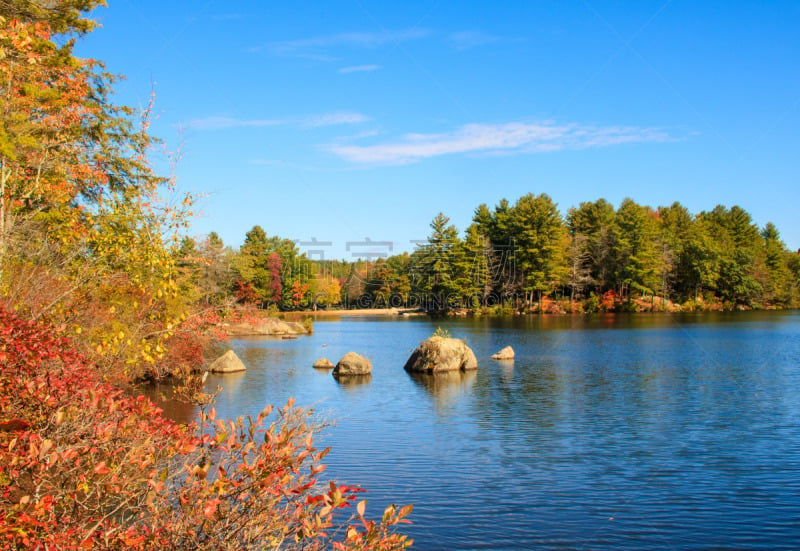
(229, 362)
(505, 354)
(438, 354)
(352, 364)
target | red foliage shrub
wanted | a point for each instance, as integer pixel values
(245, 292)
(609, 302)
(85, 466)
(184, 353)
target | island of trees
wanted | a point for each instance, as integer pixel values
(524, 257)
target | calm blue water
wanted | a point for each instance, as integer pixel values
(626, 432)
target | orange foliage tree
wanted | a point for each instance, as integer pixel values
(87, 228)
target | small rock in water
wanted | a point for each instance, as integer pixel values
(323, 363)
(229, 362)
(505, 354)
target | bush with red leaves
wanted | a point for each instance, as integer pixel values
(85, 466)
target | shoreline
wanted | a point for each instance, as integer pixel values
(359, 312)
(389, 312)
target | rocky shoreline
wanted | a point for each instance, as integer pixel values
(266, 327)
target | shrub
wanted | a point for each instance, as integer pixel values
(592, 303)
(609, 302)
(83, 465)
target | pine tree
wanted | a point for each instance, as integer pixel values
(777, 287)
(540, 245)
(597, 221)
(435, 264)
(640, 264)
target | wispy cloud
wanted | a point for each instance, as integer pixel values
(465, 40)
(227, 16)
(358, 69)
(506, 138)
(221, 123)
(318, 46)
(311, 121)
(330, 119)
(355, 137)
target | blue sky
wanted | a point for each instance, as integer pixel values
(357, 121)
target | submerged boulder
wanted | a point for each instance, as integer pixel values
(505, 354)
(352, 364)
(439, 354)
(229, 362)
(323, 363)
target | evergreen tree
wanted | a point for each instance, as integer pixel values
(473, 279)
(596, 221)
(778, 285)
(216, 273)
(251, 263)
(734, 247)
(435, 264)
(639, 261)
(401, 283)
(541, 241)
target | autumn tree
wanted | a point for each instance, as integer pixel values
(87, 231)
(380, 282)
(325, 291)
(274, 266)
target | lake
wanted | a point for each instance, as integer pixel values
(606, 432)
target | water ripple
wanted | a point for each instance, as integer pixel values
(640, 432)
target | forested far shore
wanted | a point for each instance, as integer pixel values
(524, 257)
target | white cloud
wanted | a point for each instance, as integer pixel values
(507, 138)
(330, 119)
(315, 46)
(312, 121)
(465, 40)
(221, 123)
(358, 69)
